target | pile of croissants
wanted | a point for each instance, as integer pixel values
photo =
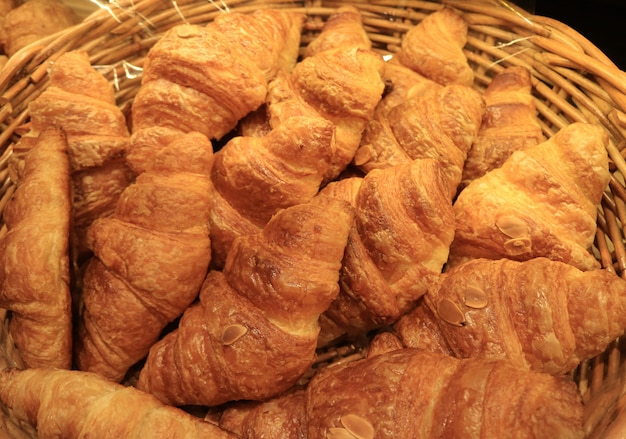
(264, 200)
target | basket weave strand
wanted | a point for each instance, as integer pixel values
(572, 81)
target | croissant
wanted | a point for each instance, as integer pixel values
(34, 256)
(206, 78)
(410, 393)
(540, 314)
(30, 21)
(434, 48)
(74, 404)
(403, 228)
(401, 83)
(150, 259)
(541, 202)
(343, 84)
(281, 417)
(253, 333)
(442, 124)
(510, 123)
(82, 102)
(343, 29)
(254, 177)
(378, 147)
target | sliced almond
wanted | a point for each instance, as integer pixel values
(233, 333)
(364, 155)
(475, 297)
(518, 246)
(358, 426)
(187, 31)
(450, 312)
(512, 226)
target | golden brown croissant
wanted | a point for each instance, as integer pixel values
(82, 102)
(280, 417)
(254, 177)
(510, 123)
(35, 267)
(541, 202)
(410, 393)
(150, 259)
(441, 123)
(402, 83)
(404, 225)
(378, 147)
(343, 29)
(72, 404)
(32, 20)
(539, 314)
(253, 333)
(434, 48)
(343, 84)
(206, 78)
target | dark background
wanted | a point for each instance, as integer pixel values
(603, 22)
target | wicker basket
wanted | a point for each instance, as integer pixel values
(572, 81)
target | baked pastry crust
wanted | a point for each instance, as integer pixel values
(35, 268)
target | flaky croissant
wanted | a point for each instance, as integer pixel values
(82, 102)
(281, 417)
(343, 29)
(378, 146)
(403, 228)
(254, 331)
(510, 123)
(71, 404)
(541, 202)
(254, 177)
(441, 123)
(150, 259)
(341, 83)
(410, 393)
(434, 48)
(34, 256)
(539, 314)
(29, 21)
(206, 78)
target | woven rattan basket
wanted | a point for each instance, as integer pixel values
(572, 81)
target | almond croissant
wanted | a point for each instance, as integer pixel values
(254, 177)
(206, 78)
(541, 202)
(82, 102)
(254, 331)
(403, 228)
(409, 393)
(510, 123)
(539, 314)
(34, 255)
(71, 404)
(150, 259)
